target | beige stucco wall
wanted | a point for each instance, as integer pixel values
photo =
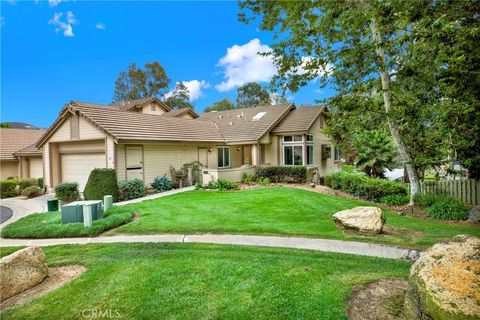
(324, 166)
(8, 169)
(148, 109)
(31, 167)
(89, 131)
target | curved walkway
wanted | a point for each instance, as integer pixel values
(350, 247)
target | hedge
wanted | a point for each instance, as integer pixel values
(67, 192)
(131, 189)
(101, 182)
(364, 186)
(32, 192)
(8, 188)
(283, 173)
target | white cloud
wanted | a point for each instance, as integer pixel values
(53, 3)
(243, 64)
(64, 26)
(100, 26)
(194, 87)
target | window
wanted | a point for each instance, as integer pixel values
(337, 154)
(223, 157)
(309, 154)
(293, 155)
(309, 137)
(298, 138)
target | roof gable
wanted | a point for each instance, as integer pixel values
(13, 140)
(299, 120)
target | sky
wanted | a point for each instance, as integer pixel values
(56, 51)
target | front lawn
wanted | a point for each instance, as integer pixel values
(277, 211)
(48, 225)
(193, 281)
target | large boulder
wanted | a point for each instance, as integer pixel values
(367, 220)
(21, 270)
(444, 282)
(474, 214)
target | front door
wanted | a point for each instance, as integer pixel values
(134, 162)
(203, 157)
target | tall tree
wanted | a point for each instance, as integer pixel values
(180, 97)
(251, 95)
(136, 83)
(221, 105)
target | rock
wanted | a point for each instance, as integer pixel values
(444, 282)
(368, 220)
(474, 214)
(21, 270)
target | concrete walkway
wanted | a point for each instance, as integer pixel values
(155, 196)
(350, 247)
(22, 207)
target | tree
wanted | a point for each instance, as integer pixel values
(180, 97)
(5, 125)
(221, 105)
(136, 83)
(375, 153)
(251, 95)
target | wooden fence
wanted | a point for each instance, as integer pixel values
(466, 190)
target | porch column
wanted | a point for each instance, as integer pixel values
(304, 150)
(110, 153)
(255, 153)
(47, 177)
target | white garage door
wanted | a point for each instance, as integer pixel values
(77, 167)
(36, 167)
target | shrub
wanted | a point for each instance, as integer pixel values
(131, 189)
(198, 185)
(426, 200)
(40, 182)
(161, 183)
(264, 181)
(32, 192)
(248, 179)
(225, 184)
(395, 199)
(67, 192)
(8, 188)
(348, 168)
(448, 208)
(101, 182)
(24, 183)
(283, 173)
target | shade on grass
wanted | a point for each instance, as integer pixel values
(279, 211)
(192, 281)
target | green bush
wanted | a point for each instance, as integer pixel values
(348, 168)
(161, 183)
(426, 200)
(221, 184)
(32, 192)
(101, 182)
(198, 185)
(8, 188)
(395, 199)
(248, 179)
(365, 187)
(40, 182)
(24, 183)
(448, 208)
(264, 181)
(131, 189)
(283, 173)
(67, 192)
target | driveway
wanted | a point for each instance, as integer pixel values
(22, 207)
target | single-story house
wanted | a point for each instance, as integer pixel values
(18, 155)
(143, 138)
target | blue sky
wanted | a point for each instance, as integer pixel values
(56, 51)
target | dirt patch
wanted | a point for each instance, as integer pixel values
(391, 231)
(381, 299)
(57, 276)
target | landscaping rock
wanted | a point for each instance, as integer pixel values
(444, 282)
(21, 270)
(368, 220)
(474, 214)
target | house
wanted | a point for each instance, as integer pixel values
(143, 138)
(18, 155)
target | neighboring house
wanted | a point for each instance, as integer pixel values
(143, 138)
(18, 155)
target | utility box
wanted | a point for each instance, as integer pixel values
(73, 212)
(52, 205)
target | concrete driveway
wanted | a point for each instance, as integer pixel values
(22, 207)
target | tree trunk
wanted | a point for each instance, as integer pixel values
(387, 100)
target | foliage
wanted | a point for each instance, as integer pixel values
(448, 208)
(101, 182)
(24, 183)
(264, 181)
(5, 125)
(136, 83)
(180, 97)
(248, 179)
(395, 199)
(131, 189)
(426, 200)
(348, 168)
(221, 184)
(198, 185)
(67, 192)
(365, 187)
(8, 188)
(375, 153)
(283, 173)
(221, 105)
(32, 192)
(161, 183)
(252, 95)
(49, 225)
(40, 182)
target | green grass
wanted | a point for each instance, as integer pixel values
(277, 211)
(48, 225)
(193, 281)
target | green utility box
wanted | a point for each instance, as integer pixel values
(73, 212)
(52, 205)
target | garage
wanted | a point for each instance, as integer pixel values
(35, 168)
(77, 167)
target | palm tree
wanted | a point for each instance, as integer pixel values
(375, 153)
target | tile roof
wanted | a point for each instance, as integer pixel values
(299, 120)
(180, 112)
(248, 124)
(126, 105)
(30, 150)
(12, 140)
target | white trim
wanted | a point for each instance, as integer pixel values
(293, 153)
(293, 141)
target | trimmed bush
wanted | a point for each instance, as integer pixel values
(448, 208)
(283, 173)
(395, 199)
(365, 187)
(101, 182)
(8, 188)
(67, 192)
(161, 183)
(24, 183)
(131, 189)
(220, 184)
(40, 182)
(32, 192)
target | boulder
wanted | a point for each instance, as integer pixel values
(367, 220)
(444, 282)
(474, 214)
(21, 270)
